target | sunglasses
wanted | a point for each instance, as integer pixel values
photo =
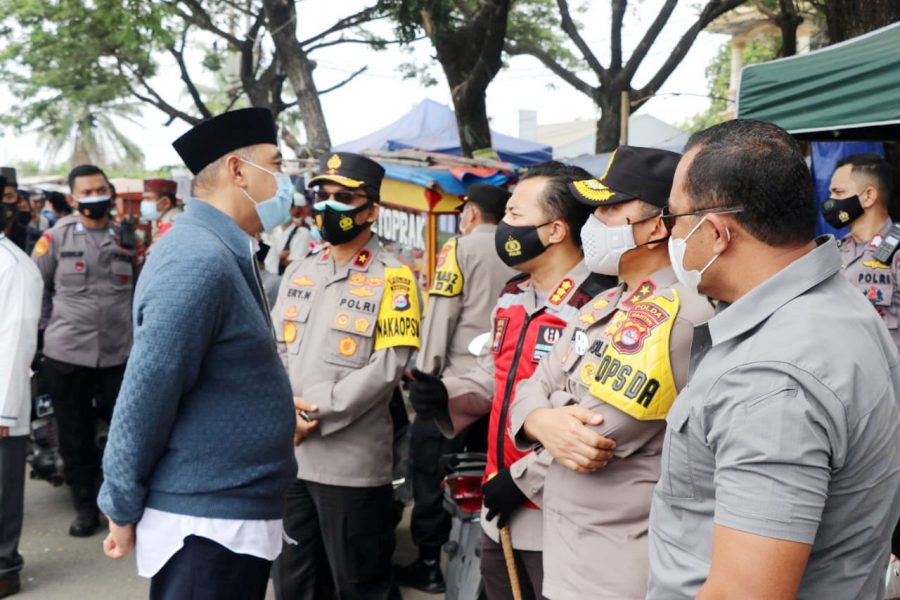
(669, 218)
(342, 196)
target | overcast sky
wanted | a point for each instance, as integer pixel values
(381, 95)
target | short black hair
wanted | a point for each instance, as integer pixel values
(760, 167)
(85, 171)
(874, 167)
(58, 202)
(558, 200)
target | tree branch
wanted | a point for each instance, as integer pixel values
(640, 52)
(615, 34)
(350, 78)
(344, 40)
(155, 99)
(364, 16)
(713, 10)
(178, 53)
(571, 30)
(524, 49)
(199, 17)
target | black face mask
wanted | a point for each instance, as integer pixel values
(518, 244)
(23, 218)
(339, 227)
(840, 213)
(95, 210)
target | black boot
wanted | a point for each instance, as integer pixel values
(87, 515)
(424, 574)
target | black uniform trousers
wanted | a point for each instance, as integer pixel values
(430, 521)
(74, 389)
(12, 501)
(494, 573)
(205, 570)
(345, 541)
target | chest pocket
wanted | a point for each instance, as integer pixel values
(350, 339)
(122, 274)
(677, 479)
(72, 274)
(293, 325)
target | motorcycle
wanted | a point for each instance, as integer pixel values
(462, 499)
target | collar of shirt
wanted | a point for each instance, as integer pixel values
(206, 215)
(822, 262)
(530, 301)
(484, 228)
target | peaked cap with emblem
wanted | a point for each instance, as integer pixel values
(213, 138)
(349, 170)
(632, 173)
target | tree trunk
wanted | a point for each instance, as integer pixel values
(609, 125)
(849, 18)
(471, 118)
(282, 17)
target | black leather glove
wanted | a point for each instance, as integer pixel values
(428, 395)
(502, 497)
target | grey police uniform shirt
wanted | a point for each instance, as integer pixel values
(88, 289)
(787, 429)
(328, 322)
(629, 341)
(467, 283)
(877, 281)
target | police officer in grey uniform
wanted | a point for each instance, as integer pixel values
(624, 358)
(347, 323)
(88, 279)
(860, 190)
(468, 278)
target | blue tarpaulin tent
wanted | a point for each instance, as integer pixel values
(432, 126)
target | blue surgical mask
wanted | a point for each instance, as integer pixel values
(276, 210)
(148, 210)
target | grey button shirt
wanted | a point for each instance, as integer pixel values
(787, 429)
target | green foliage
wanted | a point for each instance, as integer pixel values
(718, 73)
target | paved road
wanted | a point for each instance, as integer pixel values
(60, 567)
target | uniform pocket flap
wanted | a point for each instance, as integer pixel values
(294, 311)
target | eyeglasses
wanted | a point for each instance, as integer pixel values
(342, 197)
(669, 218)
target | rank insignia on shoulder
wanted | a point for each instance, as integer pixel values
(303, 281)
(43, 244)
(644, 291)
(362, 259)
(347, 346)
(362, 292)
(562, 290)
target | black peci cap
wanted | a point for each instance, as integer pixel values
(492, 198)
(213, 138)
(349, 170)
(632, 173)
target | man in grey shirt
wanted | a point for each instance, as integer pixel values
(781, 467)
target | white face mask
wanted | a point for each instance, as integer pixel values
(603, 245)
(677, 248)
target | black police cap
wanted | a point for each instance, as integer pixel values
(492, 198)
(349, 170)
(213, 138)
(632, 173)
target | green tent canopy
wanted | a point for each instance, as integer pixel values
(850, 90)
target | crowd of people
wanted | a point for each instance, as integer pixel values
(681, 392)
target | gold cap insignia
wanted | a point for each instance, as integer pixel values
(334, 163)
(594, 190)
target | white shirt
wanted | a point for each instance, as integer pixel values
(277, 238)
(21, 291)
(159, 535)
